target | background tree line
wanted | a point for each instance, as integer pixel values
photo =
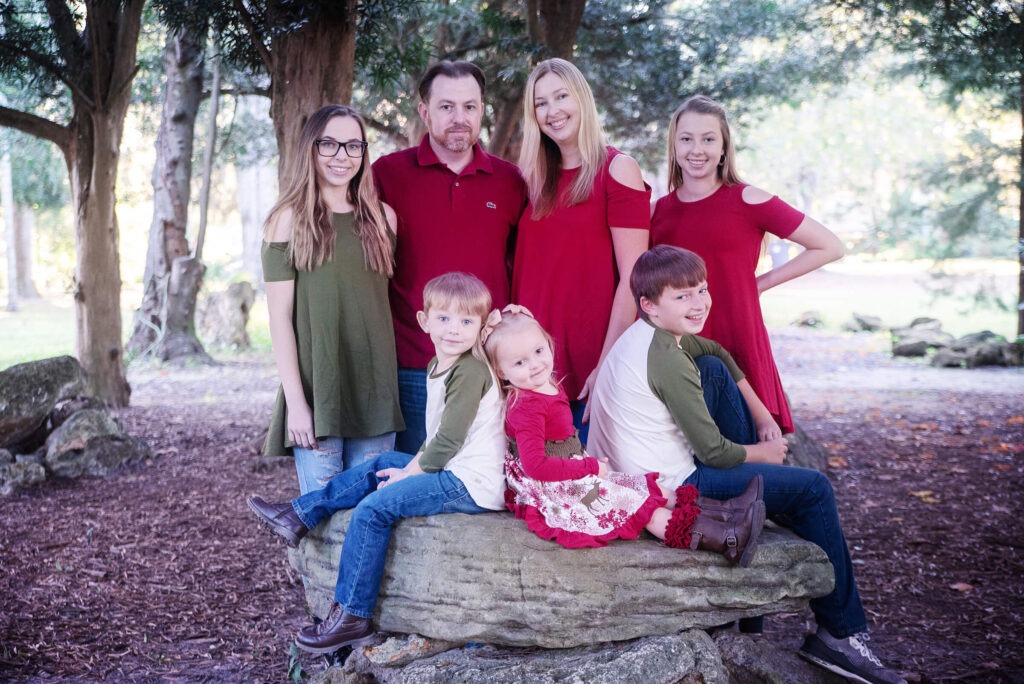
(71, 69)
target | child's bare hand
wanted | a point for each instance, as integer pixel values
(390, 476)
(773, 451)
(768, 432)
(602, 467)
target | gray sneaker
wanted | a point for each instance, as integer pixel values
(849, 657)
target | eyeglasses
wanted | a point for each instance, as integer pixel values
(330, 148)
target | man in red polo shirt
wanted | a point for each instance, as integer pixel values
(457, 208)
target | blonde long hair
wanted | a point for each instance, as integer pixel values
(702, 104)
(539, 157)
(312, 241)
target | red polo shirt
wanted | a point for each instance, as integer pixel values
(446, 222)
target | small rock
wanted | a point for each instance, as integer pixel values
(987, 354)
(6, 457)
(925, 323)
(910, 348)
(21, 474)
(948, 358)
(403, 649)
(973, 339)
(91, 443)
(68, 407)
(809, 319)
(868, 323)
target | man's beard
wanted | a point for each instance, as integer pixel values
(461, 143)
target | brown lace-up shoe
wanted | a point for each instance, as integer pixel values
(280, 518)
(337, 630)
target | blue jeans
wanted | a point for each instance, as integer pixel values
(798, 498)
(802, 500)
(315, 467)
(376, 510)
(412, 397)
(577, 407)
(725, 402)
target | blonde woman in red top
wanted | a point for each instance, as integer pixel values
(586, 223)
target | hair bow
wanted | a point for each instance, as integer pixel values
(493, 319)
(518, 309)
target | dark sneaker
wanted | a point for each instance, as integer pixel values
(280, 518)
(337, 630)
(849, 657)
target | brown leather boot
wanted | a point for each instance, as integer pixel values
(280, 518)
(338, 629)
(720, 510)
(735, 538)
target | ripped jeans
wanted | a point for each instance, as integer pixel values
(315, 467)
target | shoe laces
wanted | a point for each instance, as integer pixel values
(332, 617)
(859, 642)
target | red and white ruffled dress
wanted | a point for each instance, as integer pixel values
(553, 484)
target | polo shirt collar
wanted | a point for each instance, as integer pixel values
(481, 161)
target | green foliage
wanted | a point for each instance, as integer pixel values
(295, 671)
(972, 46)
(38, 174)
(643, 59)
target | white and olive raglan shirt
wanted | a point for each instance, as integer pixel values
(647, 414)
(465, 424)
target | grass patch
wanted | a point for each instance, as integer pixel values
(41, 328)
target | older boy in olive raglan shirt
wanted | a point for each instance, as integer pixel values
(648, 414)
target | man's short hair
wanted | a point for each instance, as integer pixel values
(457, 69)
(665, 266)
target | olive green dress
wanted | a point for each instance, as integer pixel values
(345, 342)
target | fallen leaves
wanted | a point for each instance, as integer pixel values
(926, 496)
(838, 462)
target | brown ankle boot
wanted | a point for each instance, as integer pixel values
(338, 629)
(280, 517)
(720, 510)
(735, 538)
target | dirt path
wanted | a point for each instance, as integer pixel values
(159, 574)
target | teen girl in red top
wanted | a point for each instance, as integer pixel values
(586, 223)
(710, 211)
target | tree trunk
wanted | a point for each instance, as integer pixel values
(208, 154)
(24, 245)
(97, 288)
(311, 66)
(100, 100)
(165, 323)
(1020, 218)
(10, 232)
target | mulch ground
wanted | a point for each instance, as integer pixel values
(159, 573)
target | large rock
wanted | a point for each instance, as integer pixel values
(28, 392)
(91, 442)
(687, 657)
(486, 578)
